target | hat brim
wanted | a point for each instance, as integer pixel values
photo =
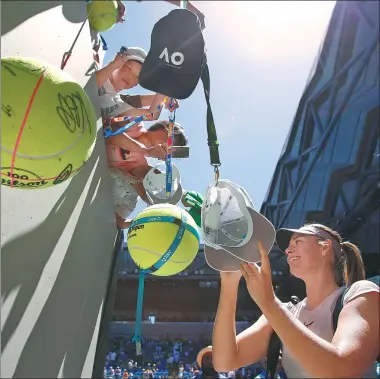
(229, 259)
(135, 58)
(201, 353)
(283, 237)
(175, 199)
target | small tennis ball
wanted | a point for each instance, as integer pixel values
(102, 14)
(48, 126)
(150, 240)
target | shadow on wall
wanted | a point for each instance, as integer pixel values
(64, 329)
(20, 12)
(92, 91)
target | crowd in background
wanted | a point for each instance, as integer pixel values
(171, 359)
(163, 358)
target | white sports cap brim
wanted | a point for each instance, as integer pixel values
(155, 185)
(173, 199)
(254, 227)
(135, 54)
(284, 235)
(230, 258)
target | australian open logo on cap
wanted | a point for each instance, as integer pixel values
(174, 59)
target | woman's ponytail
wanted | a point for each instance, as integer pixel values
(349, 267)
(353, 265)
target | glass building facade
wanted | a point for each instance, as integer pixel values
(328, 171)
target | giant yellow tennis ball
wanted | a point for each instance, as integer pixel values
(48, 125)
(102, 14)
(153, 232)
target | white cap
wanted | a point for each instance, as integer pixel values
(155, 185)
(283, 237)
(135, 54)
(232, 228)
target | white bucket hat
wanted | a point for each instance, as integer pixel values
(231, 227)
(155, 185)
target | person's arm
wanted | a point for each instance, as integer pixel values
(152, 101)
(146, 100)
(126, 142)
(134, 100)
(353, 349)
(142, 112)
(104, 73)
(143, 101)
(155, 102)
(230, 352)
(139, 187)
(121, 223)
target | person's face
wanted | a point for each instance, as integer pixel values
(305, 254)
(127, 76)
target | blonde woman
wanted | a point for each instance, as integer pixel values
(311, 349)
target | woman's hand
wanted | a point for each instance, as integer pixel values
(106, 72)
(118, 61)
(259, 280)
(158, 151)
(173, 106)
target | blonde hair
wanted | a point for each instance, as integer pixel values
(349, 268)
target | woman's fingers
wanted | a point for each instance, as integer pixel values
(265, 264)
(249, 269)
(244, 272)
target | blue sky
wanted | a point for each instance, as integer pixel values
(260, 54)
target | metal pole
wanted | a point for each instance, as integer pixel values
(183, 4)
